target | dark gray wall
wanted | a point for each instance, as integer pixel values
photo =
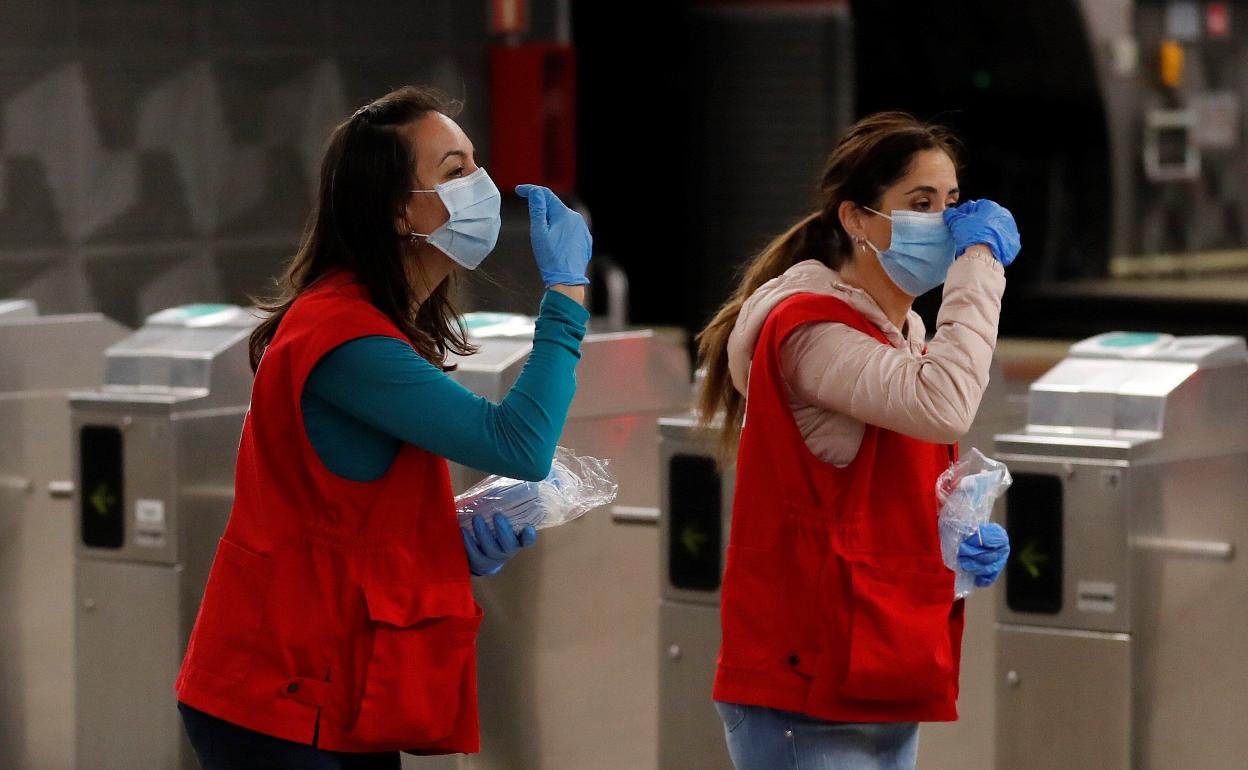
(155, 153)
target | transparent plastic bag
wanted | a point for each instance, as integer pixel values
(967, 492)
(575, 486)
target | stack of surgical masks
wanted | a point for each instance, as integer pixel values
(575, 486)
(966, 493)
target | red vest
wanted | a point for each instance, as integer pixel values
(835, 603)
(337, 609)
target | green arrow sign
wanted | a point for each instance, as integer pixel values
(102, 499)
(1031, 557)
(693, 539)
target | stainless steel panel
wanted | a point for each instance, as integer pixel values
(128, 649)
(446, 762)
(631, 373)
(575, 617)
(18, 308)
(491, 372)
(195, 352)
(53, 353)
(1191, 652)
(1065, 447)
(1153, 460)
(620, 373)
(36, 587)
(679, 435)
(1123, 397)
(177, 391)
(691, 734)
(1063, 699)
(1095, 521)
(149, 462)
(40, 358)
(573, 620)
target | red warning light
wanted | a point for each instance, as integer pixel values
(1218, 21)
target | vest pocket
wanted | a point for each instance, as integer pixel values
(422, 668)
(900, 647)
(231, 613)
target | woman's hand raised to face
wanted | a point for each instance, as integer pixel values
(987, 223)
(560, 237)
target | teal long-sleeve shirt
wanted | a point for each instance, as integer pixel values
(367, 397)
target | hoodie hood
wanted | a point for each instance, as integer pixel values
(809, 277)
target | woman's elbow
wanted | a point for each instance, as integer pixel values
(951, 428)
(532, 468)
(943, 426)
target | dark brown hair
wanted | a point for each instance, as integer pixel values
(366, 175)
(876, 152)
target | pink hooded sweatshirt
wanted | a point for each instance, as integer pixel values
(839, 379)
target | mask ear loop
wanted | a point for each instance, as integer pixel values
(412, 235)
(863, 242)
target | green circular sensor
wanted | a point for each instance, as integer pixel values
(481, 320)
(981, 79)
(202, 309)
(1130, 340)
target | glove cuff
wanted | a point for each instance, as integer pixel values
(564, 279)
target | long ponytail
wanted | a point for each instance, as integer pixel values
(804, 240)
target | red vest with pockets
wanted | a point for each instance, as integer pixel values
(835, 602)
(336, 609)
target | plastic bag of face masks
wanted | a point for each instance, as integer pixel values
(575, 486)
(966, 493)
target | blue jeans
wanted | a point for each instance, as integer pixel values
(766, 739)
(220, 745)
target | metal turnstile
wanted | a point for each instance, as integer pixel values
(566, 654)
(1121, 624)
(156, 447)
(693, 537)
(42, 357)
(967, 743)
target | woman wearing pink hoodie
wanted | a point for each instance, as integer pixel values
(840, 629)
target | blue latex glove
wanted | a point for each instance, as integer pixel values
(984, 222)
(489, 551)
(984, 552)
(561, 240)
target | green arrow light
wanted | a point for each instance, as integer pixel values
(693, 540)
(1031, 558)
(102, 499)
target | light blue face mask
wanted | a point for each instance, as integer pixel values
(921, 251)
(475, 205)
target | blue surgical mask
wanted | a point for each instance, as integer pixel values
(475, 205)
(921, 251)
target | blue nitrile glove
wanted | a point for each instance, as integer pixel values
(987, 223)
(489, 551)
(984, 552)
(561, 240)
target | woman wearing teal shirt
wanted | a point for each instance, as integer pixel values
(402, 207)
(367, 398)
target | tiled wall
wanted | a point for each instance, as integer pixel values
(160, 152)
